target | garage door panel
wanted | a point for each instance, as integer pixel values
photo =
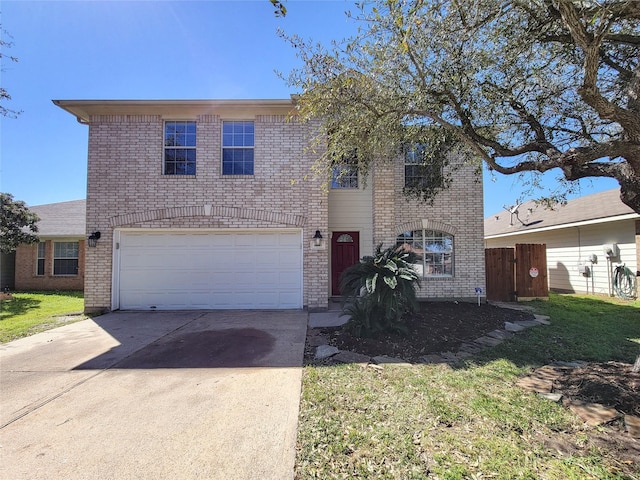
(144, 300)
(270, 278)
(186, 270)
(248, 240)
(285, 241)
(288, 301)
(222, 300)
(285, 264)
(288, 283)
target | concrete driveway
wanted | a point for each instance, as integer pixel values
(158, 395)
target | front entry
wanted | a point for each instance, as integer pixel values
(345, 251)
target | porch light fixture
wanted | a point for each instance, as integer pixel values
(317, 239)
(93, 239)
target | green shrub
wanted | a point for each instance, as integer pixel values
(379, 291)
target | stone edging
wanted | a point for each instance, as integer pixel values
(491, 339)
(540, 381)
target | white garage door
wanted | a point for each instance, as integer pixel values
(209, 270)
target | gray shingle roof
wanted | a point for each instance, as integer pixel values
(533, 217)
(64, 219)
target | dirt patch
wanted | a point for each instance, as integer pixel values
(621, 450)
(613, 384)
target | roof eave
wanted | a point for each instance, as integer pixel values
(617, 218)
(84, 109)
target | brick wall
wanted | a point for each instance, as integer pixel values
(126, 188)
(26, 263)
(457, 210)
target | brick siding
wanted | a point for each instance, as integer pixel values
(26, 264)
(126, 188)
(457, 210)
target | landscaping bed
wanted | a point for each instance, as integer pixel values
(446, 326)
(469, 418)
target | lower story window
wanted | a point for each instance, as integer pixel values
(65, 258)
(41, 257)
(434, 250)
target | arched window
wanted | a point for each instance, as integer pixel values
(345, 238)
(434, 250)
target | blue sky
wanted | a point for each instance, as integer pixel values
(150, 50)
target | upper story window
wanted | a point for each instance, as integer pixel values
(41, 259)
(344, 176)
(237, 148)
(179, 148)
(434, 250)
(420, 172)
(65, 258)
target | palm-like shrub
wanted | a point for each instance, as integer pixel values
(379, 291)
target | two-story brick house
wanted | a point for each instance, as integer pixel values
(212, 204)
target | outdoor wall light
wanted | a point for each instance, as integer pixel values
(317, 239)
(93, 239)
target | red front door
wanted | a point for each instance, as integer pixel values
(345, 251)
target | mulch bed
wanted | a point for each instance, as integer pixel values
(445, 326)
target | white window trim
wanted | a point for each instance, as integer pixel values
(53, 259)
(164, 147)
(423, 264)
(417, 162)
(43, 258)
(237, 147)
(355, 174)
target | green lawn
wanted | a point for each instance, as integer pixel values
(33, 312)
(471, 421)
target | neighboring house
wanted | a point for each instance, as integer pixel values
(57, 261)
(213, 204)
(585, 239)
(8, 271)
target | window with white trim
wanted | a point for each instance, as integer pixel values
(344, 176)
(434, 250)
(65, 258)
(41, 259)
(420, 172)
(237, 147)
(179, 148)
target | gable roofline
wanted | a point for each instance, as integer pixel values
(83, 110)
(596, 208)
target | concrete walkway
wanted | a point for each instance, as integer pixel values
(332, 317)
(160, 395)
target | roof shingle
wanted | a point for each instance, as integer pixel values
(64, 219)
(532, 216)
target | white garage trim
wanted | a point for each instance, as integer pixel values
(176, 269)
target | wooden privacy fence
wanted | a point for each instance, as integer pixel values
(518, 273)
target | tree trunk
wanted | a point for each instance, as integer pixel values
(636, 366)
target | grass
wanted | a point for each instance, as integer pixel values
(434, 421)
(33, 312)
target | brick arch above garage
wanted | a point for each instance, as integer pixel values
(212, 211)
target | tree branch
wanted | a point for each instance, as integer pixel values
(589, 92)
